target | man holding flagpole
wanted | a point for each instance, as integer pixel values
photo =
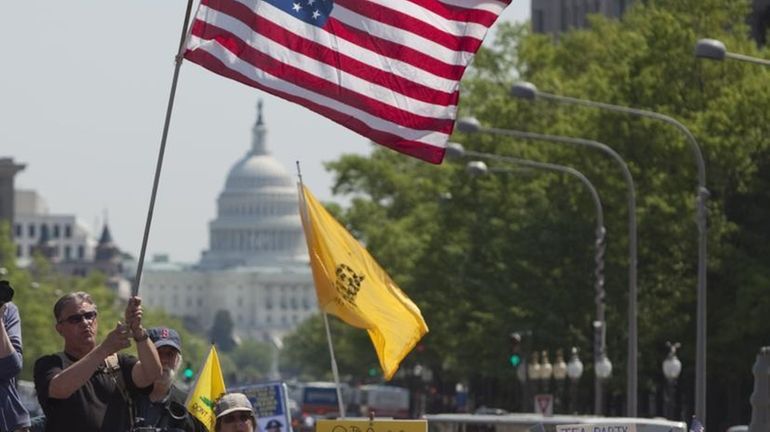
(90, 387)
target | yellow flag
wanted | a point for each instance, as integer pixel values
(351, 285)
(208, 387)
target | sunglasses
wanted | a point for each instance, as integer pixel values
(78, 318)
(232, 418)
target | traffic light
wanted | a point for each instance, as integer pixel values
(188, 372)
(515, 357)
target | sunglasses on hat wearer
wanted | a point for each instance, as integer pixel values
(236, 416)
(79, 317)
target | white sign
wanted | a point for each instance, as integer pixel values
(544, 404)
(609, 427)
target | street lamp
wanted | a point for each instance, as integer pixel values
(526, 90)
(603, 370)
(672, 367)
(559, 375)
(715, 50)
(479, 167)
(546, 371)
(472, 125)
(574, 372)
(533, 372)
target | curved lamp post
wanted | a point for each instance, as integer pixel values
(715, 50)
(478, 167)
(574, 372)
(472, 125)
(528, 91)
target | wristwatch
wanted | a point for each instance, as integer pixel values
(142, 336)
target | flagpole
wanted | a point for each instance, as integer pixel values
(335, 371)
(334, 366)
(159, 164)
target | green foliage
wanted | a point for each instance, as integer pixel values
(222, 331)
(37, 290)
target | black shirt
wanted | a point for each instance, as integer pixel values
(157, 413)
(97, 406)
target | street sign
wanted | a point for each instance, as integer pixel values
(270, 401)
(544, 404)
(371, 426)
(587, 427)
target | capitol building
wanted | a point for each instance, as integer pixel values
(256, 266)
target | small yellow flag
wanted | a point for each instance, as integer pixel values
(208, 387)
(352, 286)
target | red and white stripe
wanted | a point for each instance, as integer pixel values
(387, 69)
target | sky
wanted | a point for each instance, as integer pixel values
(84, 87)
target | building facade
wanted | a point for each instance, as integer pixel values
(8, 171)
(68, 238)
(256, 265)
(558, 16)
(67, 244)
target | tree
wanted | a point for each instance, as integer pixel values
(222, 331)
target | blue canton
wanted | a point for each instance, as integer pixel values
(314, 12)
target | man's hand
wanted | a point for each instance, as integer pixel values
(117, 339)
(134, 316)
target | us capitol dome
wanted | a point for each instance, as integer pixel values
(258, 220)
(256, 266)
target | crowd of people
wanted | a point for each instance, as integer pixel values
(92, 386)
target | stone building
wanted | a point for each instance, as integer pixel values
(256, 265)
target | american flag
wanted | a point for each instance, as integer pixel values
(387, 69)
(696, 426)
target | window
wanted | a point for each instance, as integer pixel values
(56, 231)
(67, 231)
(538, 24)
(18, 251)
(31, 230)
(18, 230)
(67, 252)
(81, 252)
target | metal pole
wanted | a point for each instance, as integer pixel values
(161, 152)
(747, 59)
(701, 196)
(600, 232)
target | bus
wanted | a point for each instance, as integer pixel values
(521, 422)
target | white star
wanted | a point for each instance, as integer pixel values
(297, 7)
(310, 2)
(316, 14)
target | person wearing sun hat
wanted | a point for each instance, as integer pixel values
(234, 413)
